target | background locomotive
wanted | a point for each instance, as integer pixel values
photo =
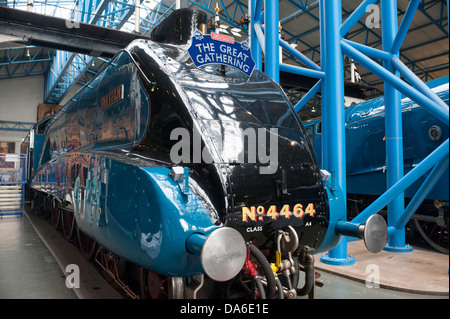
(214, 225)
(366, 158)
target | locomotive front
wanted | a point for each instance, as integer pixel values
(235, 142)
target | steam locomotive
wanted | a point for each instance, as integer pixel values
(235, 208)
(366, 159)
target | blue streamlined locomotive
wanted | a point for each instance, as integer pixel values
(235, 208)
(366, 158)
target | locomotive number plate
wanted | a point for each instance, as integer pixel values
(112, 97)
(259, 213)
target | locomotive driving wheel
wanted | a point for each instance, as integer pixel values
(56, 216)
(434, 234)
(68, 223)
(153, 285)
(433, 227)
(88, 246)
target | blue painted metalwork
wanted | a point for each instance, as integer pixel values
(15, 125)
(439, 155)
(393, 119)
(333, 158)
(272, 51)
(390, 31)
(308, 96)
(255, 47)
(333, 140)
(18, 62)
(67, 69)
(366, 154)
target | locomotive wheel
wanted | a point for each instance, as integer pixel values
(88, 246)
(37, 203)
(153, 285)
(47, 207)
(436, 236)
(56, 216)
(68, 223)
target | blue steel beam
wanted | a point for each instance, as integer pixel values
(439, 23)
(305, 8)
(348, 24)
(421, 194)
(394, 126)
(18, 62)
(272, 52)
(308, 96)
(255, 46)
(64, 63)
(16, 126)
(333, 44)
(414, 65)
(436, 109)
(333, 118)
(392, 41)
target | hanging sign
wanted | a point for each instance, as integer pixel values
(221, 49)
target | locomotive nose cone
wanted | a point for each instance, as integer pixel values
(375, 233)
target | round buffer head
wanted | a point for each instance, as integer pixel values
(223, 254)
(375, 233)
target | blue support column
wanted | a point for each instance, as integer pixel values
(394, 133)
(272, 51)
(255, 17)
(333, 116)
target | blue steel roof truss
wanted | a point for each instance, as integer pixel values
(114, 14)
(66, 68)
(24, 61)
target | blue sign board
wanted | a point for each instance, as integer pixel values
(221, 49)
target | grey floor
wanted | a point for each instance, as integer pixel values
(336, 287)
(29, 271)
(27, 268)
